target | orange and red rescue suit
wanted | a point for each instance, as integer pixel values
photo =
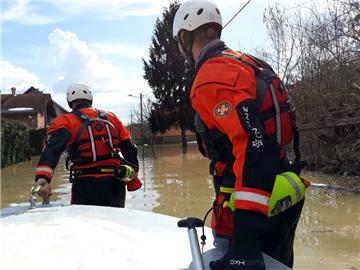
(93, 139)
(241, 128)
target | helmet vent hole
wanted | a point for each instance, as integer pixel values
(200, 11)
(73, 92)
(186, 16)
(217, 11)
(84, 91)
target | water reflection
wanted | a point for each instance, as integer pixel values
(178, 184)
(182, 182)
(146, 198)
(328, 235)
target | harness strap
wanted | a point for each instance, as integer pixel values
(102, 115)
(92, 142)
(270, 113)
(260, 62)
(277, 113)
(83, 119)
(86, 161)
(94, 170)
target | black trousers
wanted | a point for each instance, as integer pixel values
(105, 191)
(278, 236)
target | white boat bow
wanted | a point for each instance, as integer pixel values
(92, 237)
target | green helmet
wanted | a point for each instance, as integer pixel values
(287, 191)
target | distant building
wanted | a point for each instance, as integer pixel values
(33, 107)
(173, 135)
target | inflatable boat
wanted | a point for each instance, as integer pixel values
(93, 237)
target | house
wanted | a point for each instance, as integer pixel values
(33, 107)
(173, 135)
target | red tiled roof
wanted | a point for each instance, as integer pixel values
(5, 97)
(36, 101)
(32, 98)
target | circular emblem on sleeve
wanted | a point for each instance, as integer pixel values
(223, 109)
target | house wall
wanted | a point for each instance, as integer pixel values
(40, 121)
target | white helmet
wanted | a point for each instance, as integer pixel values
(195, 13)
(78, 91)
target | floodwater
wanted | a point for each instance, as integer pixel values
(177, 184)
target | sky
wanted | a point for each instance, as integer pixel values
(50, 44)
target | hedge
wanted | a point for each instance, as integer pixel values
(14, 142)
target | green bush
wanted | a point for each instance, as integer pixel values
(14, 142)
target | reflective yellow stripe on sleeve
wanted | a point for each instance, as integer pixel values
(226, 190)
(107, 170)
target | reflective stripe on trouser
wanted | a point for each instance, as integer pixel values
(252, 201)
(252, 197)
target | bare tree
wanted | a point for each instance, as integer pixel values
(140, 123)
(318, 56)
(286, 42)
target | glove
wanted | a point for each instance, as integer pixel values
(244, 252)
(126, 173)
(44, 191)
(134, 184)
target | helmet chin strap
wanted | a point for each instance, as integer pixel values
(186, 46)
(81, 104)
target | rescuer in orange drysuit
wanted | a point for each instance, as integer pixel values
(243, 121)
(93, 139)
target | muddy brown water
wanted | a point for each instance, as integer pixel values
(178, 184)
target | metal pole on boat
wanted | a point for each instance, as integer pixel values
(195, 250)
(191, 223)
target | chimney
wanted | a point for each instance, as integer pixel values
(13, 91)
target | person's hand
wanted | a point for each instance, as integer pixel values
(244, 252)
(127, 173)
(44, 191)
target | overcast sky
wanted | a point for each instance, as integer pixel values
(51, 43)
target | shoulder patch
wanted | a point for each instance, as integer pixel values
(222, 109)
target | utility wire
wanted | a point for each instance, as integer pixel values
(237, 13)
